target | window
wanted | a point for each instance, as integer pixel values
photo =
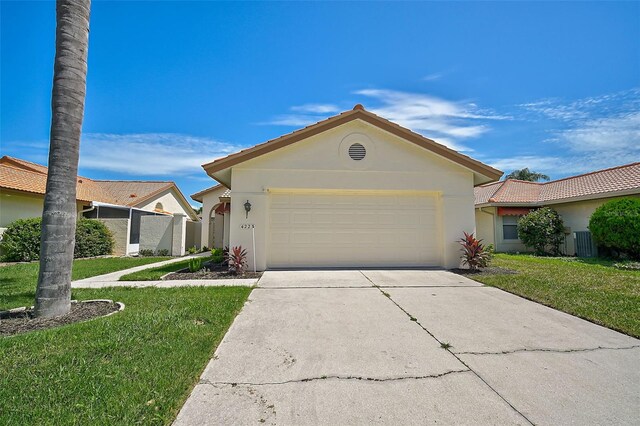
(159, 206)
(510, 227)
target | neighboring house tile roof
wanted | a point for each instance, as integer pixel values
(607, 182)
(21, 175)
(131, 193)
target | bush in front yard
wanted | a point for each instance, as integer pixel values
(542, 230)
(616, 226)
(93, 238)
(21, 240)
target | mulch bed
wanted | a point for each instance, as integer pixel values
(492, 270)
(23, 321)
(210, 271)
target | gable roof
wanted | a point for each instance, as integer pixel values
(357, 113)
(198, 195)
(601, 183)
(20, 175)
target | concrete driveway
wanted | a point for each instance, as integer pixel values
(358, 347)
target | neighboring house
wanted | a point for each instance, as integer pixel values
(499, 205)
(122, 205)
(215, 215)
(350, 191)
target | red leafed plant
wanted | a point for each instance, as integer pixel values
(237, 260)
(474, 252)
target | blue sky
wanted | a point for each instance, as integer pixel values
(171, 85)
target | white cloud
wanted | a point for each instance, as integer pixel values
(546, 164)
(146, 154)
(432, 77)
(316, 108)
(293, 120)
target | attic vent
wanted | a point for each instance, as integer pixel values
(357, 152)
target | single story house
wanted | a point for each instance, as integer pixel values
(128, 208)
(499, 205)
(354, 190)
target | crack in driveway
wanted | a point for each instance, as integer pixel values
(442, 344)
(546, 350)
(336, 377)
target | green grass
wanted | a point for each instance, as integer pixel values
(154, 274)
(591, 288)
(18, 282)
(135, 367)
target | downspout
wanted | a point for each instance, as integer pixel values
(90, 209)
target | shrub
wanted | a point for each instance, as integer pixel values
(237, 260)
(21, 240)
(93, 238)
(145, 252)
(616, 226)
(162, 252)
(542, 230)
(195, 264)
(217, 255)
(192, 250)
(203, 249)
(474, 253)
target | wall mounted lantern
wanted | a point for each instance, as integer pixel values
(247, 208)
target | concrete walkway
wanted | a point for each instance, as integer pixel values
(111, 279)
(358, 347)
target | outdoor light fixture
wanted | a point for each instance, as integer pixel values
(247, 208)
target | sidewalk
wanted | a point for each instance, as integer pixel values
(115, 276)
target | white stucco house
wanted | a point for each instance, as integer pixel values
(499, 205)
(354, 190)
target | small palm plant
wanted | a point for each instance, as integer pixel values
(195, 264)
(474, 253)
(237, 260)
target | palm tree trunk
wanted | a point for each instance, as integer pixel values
(53, 295)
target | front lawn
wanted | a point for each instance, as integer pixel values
(154, 274)
(18, 282)
(590, 289)
(135, 367)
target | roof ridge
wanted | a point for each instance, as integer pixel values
(135, 180)
(593, 172)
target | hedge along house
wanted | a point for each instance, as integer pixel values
(140, 214)
(499, 205)
(354, 190)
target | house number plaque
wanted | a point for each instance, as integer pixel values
(247, 226)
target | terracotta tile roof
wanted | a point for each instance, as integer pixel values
(13, 176)
(131, 193)
(601, 182)
(21, 175)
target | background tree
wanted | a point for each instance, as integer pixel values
(616, 226)
(526, 174)
(542, 230)
(53, 294)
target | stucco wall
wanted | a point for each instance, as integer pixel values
(484, 225)
(320, 162)
(169, 201)
(207, 232)
(192, 238)
(120, 231)
(156, 233)
(15, 205)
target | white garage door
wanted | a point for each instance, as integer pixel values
(352, 229)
